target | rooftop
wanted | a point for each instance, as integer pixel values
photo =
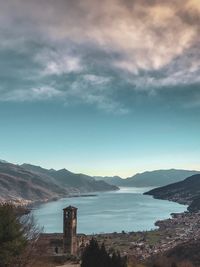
(70, 208)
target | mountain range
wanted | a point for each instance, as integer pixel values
(184, 192)
(155, 178)
(33, 183)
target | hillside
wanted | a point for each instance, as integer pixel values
(150, 178)
(184, 192)
(67, 179)
(189, 251)
(32, 183)
(112, 180)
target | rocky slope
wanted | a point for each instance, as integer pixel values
(184, 192)
(29, 183)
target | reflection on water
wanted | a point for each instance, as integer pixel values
(139, 190)
(127, 209)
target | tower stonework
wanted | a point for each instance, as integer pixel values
(69, 230)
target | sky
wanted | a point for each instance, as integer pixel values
(105, 87)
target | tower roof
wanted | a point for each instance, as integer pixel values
(70, 208)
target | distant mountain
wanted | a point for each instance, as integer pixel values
(150, 178)
(18, 183)
(67, 179)
(113, 180)
(159, 177)
(3, 161)
(184, 192)
(33, 183)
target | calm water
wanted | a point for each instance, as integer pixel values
(127, 209)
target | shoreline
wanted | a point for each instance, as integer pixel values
(152, 227)
(35, 204)
(179, 201)
(180, 227)
(31, 204)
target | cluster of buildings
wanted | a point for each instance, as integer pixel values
(182, 227)
(17, 202)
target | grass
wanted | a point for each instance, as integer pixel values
(153, 237)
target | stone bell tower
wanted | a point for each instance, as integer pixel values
(69, 230)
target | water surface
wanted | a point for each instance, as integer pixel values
(124, 210)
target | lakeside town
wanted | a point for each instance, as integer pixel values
(182, 227)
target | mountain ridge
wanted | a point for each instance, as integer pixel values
(154, 178)
(28, 183)
(184, 192)
(35, 183)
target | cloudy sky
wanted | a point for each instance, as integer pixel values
(101, 87)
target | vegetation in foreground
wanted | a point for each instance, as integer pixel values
(95, 255)
(18, 237)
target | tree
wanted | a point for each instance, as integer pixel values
(91, 255)
(18, 237)
(95, 256)
(105, 258)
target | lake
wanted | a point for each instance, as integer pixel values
(124, 210)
